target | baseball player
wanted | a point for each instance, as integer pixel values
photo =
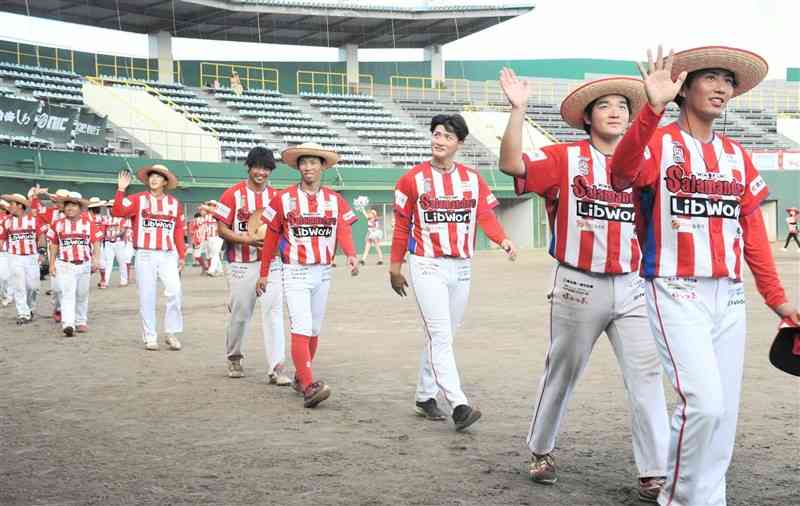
(21, 232)
(213, 242)
(242, 251)
(374, 236)
(697, 195)
(115, 246)
(95, 208)
(596, 286)
(6, 296)
(72, 241)
(438, 205)
(157, 219)
(791, 223)
(194, 238)
(309, 220)
(51, 214)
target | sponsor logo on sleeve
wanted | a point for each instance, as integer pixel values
(536, 155)
(757, 184)
(400, 199)
(223, 210)
(268, 215)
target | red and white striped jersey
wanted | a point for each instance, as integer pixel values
(592, 225)
(194, 231)
(74, 238)
(21, 232)
(308, 223)
(234, 209)
(128, 228)
(691, 195)
(209, 226)
(157, 222)
(443, 209)
(115, 229)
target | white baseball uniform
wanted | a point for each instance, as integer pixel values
(235, 207)
(51, 215)
(20, 234)
(697, 219)
(159, 243)
(596, 289)
(115, 247)
(74, 266)
(436, 218)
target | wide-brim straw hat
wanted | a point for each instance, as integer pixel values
(748, 68)
(144, 172)
(255, 227)
(4, 204)
(291, 155)
(16, 197)
(59, 195)
(573, 107)
(76, 198)
(95, 202)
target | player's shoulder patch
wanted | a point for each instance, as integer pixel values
(126, 202)
(536, 155)
(268, 214)
(757, 185)
(222, 210)
(491, 199)
(400, 198)
(349, 216)
(647, 154)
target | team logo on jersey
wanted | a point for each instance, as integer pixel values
(677, 153)
(583, 190)
(447, 209)
(310, 225)
(709, 184)
(161, 221)
(583, 165)
(242, 217)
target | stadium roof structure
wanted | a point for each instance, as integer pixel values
(296, 22)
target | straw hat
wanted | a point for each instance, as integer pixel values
(144, 172)
(59, 195)
(574, 105)
(75, 197)
(95, 202)
(255, 227)
(4, 204)
(748, 68)
(16, 197)
(291, 155)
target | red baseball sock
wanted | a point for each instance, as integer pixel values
(312, 345)
(301, 356)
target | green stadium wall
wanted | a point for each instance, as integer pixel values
(792, 74)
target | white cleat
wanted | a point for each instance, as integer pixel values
(173, 342)
(151, 346)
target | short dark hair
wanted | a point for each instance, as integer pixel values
(197, 215)
(691, 76)
(588, 111)
(453, 123)
(260, 156)
(300, 159)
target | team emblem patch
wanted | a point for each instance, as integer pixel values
(583, 165)
(677, 153)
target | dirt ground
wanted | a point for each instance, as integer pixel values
(98, 420)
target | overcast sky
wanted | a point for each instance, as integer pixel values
(612, 29)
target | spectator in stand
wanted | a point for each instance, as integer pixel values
(236, 83)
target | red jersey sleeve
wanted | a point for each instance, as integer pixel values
(755, 188)
(758, 255)
(405, 195)
(541, 171)
(96, 232)
(344, 232)
(180, 243)
(272, 215)
(486, 199)
(52, 237)
(226, 207)
(124, 206)
(42, 225)
(346, 214)
(635, 159)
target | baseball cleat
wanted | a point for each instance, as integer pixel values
(82, 329)
(650, 487)
(235, 369)
(464, 416)
(22, 320)
(278, 377)
(296, 386)
(6, 301)
(429, 410)
(151, 346)
(315, 393)
(542, 469)
(173, 342)
(69, 331)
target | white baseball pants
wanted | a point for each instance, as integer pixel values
(441, 287)
(583, 306)
(5, 276)
(306, 290)
(25, 282)
(55, 292)
(242, 279)
(152, 265)
(699, 325)
(116, 250)
(74, 281)
(213, 249)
